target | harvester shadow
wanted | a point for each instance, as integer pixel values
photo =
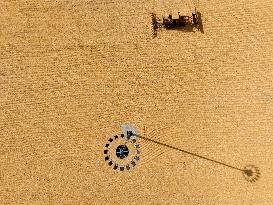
(200, 22)
(188, 28)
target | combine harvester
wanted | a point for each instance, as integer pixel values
(179, 22)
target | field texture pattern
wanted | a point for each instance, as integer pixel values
(73, 71)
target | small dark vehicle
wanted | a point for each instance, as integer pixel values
(186, 23)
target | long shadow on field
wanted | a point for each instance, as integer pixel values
(200, 22)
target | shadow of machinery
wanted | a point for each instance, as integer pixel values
(200, 22)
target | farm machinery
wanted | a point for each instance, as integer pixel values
(178, 22)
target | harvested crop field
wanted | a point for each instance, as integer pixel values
(73, 72)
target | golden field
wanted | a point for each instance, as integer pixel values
(73, 71)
